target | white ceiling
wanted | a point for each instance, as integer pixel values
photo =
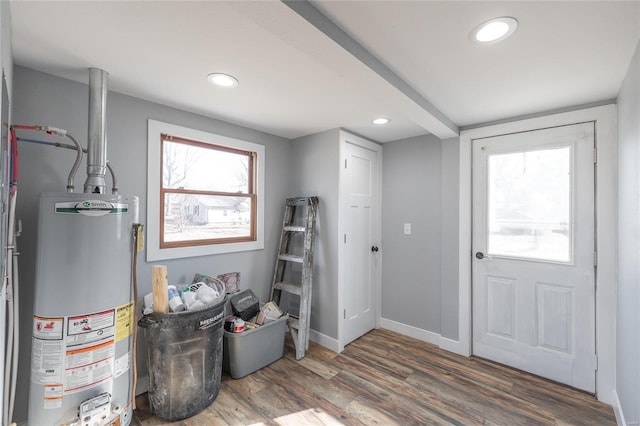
(343, 63)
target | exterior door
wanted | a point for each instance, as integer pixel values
(533, 246)
(360, 260)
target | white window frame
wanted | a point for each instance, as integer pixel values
(154, 169)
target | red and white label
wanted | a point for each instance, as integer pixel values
(88, 366)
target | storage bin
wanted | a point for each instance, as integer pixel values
(184, 360)
(254, 349)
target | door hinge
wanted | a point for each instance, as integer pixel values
(595, 362)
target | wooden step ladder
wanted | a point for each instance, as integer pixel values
(296, 247)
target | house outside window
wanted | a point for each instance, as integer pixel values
(205, 193)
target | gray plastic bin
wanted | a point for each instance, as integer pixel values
(184, 360)
(252, 350)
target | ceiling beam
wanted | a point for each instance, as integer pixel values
(395, 90)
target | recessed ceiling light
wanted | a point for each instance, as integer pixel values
(381, 120)
(223, 80)
(494, 30)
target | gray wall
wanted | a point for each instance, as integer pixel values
(420, 271)
(6, 58)
(450, 238)
(411, 264)
(44, 99)
(628, 317)
(315, 171)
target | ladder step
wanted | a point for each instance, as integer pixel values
(291, 258)
(288, 287)
(294, 229)
(301, 201)
(294, 323)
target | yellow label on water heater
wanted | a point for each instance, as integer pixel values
(140, 238)
(124, 321)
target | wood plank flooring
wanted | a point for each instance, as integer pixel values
(385, 378)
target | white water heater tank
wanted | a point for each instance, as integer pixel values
(83, 310)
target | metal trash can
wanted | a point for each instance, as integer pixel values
(184, 360)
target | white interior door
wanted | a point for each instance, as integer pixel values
(534, 250)
(360, 212)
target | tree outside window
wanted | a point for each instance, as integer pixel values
(207, 193)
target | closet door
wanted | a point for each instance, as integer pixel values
(360, 224)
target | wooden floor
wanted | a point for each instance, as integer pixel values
(385, 378)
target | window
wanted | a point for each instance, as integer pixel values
(205, 193)
(529, 202)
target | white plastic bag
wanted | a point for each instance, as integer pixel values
(204, 293)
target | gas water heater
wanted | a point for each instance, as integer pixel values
(83, 309)
(83, 318)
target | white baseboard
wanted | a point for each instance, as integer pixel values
(445, 343)
(411, 331)
(454, 346)
(324, 340)
(404, 329)
(617, 409)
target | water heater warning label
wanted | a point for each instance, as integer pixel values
(47, 350)
(91, 327)
(52, 396)
(46, 361)
(90, 350)
(124, 321)
(71, 354)
(47, 328)
(87, 366)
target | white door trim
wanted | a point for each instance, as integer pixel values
(605, 118)
(356, 140)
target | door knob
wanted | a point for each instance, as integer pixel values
(480, 255)
(374, 249)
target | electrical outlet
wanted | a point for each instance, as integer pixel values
(407, 229)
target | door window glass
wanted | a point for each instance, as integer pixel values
(529, 204)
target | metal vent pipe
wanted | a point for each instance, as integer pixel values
(97, 137)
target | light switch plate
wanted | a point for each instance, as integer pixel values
(407, 229)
